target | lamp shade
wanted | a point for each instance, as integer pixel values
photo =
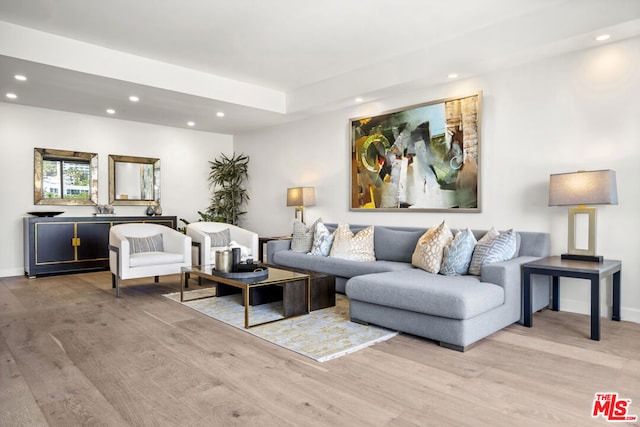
(583, 188)
(301, 196)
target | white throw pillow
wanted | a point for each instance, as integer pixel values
(322, 240)
(354, 247)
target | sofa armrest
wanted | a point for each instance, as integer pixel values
(274, 246)
(508, 274)
(176, 242)
(118, 259)
(204, 241)
(504, 273)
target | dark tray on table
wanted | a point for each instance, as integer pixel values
(253, 272)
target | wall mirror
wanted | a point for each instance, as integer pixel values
(64, 177)
(134, 180)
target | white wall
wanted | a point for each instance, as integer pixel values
(579, 111)
(183, 154)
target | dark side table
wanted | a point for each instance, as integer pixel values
(263, 240)
(556, 267)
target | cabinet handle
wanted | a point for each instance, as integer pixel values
(75, 241)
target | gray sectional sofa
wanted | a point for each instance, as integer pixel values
(456, 311)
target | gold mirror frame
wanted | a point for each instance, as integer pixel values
(115, 199)
(41, 154)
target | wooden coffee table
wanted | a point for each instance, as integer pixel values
(296, 289)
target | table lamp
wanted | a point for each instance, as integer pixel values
(580, 189)
(301, 197)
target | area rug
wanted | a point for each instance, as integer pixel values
(321, 335)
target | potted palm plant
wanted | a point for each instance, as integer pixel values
(227, 176)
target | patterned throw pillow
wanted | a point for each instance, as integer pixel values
(220, 239)
(302, 237)
(358, 247)
(480, 251)
(457, 256)
(428, 252)
(499, 248)
(322, 240)
(146, 244)
(502, 248)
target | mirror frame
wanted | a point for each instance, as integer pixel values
(40, 154)
(131, 159)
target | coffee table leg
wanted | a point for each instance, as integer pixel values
(308, 294)
(245, 293)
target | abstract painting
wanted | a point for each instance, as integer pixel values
(420, 158)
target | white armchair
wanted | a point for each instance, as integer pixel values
(136, 250)
(239, 237)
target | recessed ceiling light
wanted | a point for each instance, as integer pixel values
(20, 77)
(453, 76)
(12, 95)
(111, 111)
(603, 37)
(220, 114)
(134, 98)
(358, 99)
(191, 123)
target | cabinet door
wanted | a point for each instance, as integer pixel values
(54, 242)
(94, 240)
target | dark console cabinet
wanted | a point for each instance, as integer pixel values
(59, 245)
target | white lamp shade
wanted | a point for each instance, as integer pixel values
(583, 188)
(301, 196)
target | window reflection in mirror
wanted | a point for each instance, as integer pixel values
(134, 180)
(65, 177)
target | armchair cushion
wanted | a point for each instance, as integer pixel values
(154, 258)
(146, 244)
(220, 239)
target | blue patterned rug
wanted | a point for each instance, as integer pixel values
(321, 335)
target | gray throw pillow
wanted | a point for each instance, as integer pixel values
(146, 244)
(220, 238)
(302, 237)
(500, 248)
(480, 251)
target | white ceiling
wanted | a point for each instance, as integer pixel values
(267, 61)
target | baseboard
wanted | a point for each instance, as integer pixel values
(630, 314)
(11, 272)
(583, 307)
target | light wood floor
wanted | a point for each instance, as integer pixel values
(72, 354)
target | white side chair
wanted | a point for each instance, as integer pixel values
(239, 237)
(134, 252)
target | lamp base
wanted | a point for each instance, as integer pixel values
(588, 258)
